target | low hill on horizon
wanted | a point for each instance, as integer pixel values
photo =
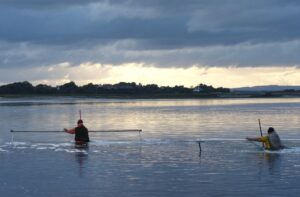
(266, 88)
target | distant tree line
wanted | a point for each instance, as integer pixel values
(209, 89)
(122, 88)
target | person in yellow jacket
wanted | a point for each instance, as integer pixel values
(271, 141)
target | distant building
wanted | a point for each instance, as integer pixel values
(198, 89)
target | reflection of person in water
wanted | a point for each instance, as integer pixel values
(273, 161)
(81, 158)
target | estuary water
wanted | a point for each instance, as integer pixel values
(164, 160)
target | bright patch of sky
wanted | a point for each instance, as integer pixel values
(139, 73)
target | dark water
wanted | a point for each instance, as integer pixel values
(163, 161)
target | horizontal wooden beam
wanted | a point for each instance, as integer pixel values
(96, 131)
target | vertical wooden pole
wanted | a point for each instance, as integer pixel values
(260, 132)
(200, 149)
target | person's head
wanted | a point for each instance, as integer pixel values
(79, 122)
(270, 130)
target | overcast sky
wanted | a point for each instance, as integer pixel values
(186, 42)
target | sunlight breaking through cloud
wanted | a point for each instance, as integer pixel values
(147, 74)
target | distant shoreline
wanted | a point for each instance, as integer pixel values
(124, 90)
(222, 96)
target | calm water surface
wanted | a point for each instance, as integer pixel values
(163, 161)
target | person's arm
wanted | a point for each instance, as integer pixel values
(257, 139)
(71, 131)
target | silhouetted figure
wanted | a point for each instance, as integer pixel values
(81, 133)
(271, 141)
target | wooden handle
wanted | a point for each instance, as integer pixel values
(261, 132)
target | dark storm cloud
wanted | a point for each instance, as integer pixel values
(197, 24)
(59, 30)
(44, 3)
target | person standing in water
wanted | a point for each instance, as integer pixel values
(271, 141)
(81, 133)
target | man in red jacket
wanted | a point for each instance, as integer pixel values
(81, 133)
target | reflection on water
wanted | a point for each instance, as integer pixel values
(166, 168)
(273, 161)
(163, 161)
(81, 158)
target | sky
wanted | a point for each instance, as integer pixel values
(228, 43)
